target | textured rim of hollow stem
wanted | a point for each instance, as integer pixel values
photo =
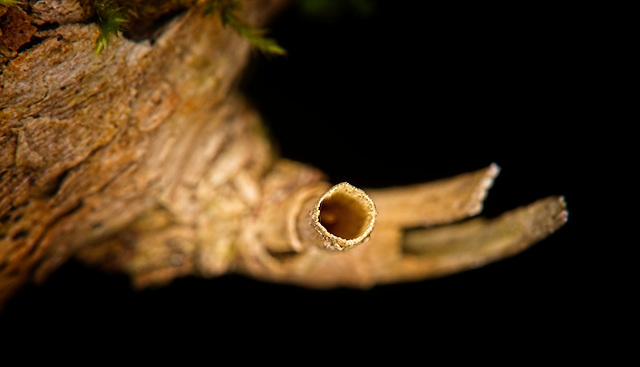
(343, 217)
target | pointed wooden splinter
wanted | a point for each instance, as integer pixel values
(432, 252)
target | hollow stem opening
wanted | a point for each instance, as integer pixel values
(344, 217)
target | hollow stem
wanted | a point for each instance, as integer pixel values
(343, 217)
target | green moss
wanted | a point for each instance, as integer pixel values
(9, 2)
(113, 16)
(256, 36)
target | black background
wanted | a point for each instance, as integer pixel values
(404, 95)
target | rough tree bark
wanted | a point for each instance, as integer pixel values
(146, 159)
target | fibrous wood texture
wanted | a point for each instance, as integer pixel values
(88, 142)
(145, 159)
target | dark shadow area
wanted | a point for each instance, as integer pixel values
(140, 29)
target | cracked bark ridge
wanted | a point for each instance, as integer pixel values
(15, 30)
(60, 11)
